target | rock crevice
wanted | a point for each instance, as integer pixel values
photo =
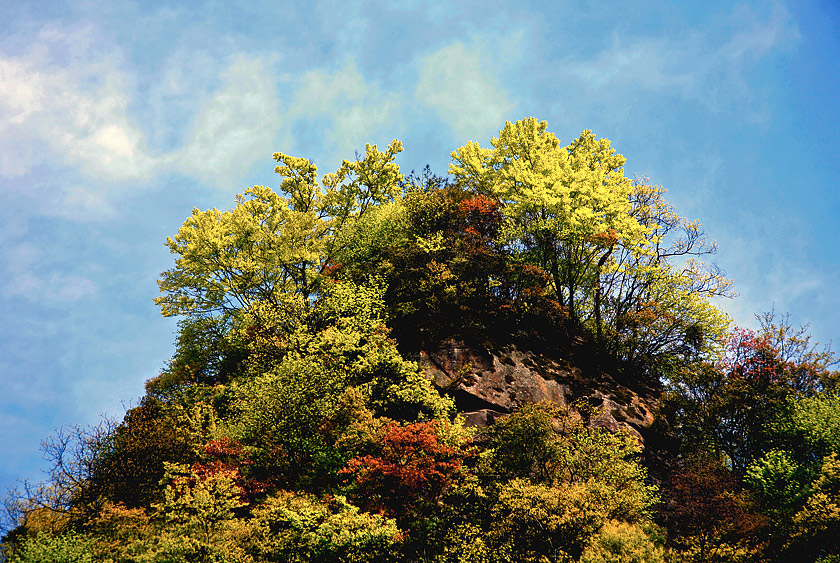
(487, 384)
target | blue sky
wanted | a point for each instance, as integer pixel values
(116, 119)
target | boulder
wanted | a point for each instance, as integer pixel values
(487, 384)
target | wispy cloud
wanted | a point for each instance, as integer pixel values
(707, 65)
(235, 126)
(346, 109)
(460, 83)
(66, 102)
(25, 277)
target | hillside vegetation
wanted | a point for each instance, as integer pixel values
(294, 424)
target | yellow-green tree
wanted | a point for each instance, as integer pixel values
(566, 207)
(657, 303)
(273, 248)
(617, 255)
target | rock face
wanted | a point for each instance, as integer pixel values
(488, 384)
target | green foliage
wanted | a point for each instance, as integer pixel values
(619, 260)
(198, 515)
(526, 445)
(817, 419)
(620, 542)
(778, 481)
(290, 426)
(465, 543)
(295, 528)
(558, 482)
(733, 417)
(205, 353)
(765, 410)
(742, 405)
(656, 303)
(271, 248)
(817, 524)
(551, 445)
(567, 206)
(534, 521)
(285, 410)
(69, 547)
(436, 250)
(138, 448)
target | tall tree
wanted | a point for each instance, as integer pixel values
(566, 207)
(272, 248)
(602, 238)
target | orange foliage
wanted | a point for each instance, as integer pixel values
(412, 465)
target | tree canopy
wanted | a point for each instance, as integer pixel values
(292, 422)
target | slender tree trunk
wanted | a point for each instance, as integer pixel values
(598, 324)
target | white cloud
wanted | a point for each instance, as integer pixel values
(768, 274)
(458, 83)
(63, 102)
(758, 36)
(71, 104)
(649, 63)
(23, 278)
(70, 287)
(235, 126)
(351, 109)
(708, 66)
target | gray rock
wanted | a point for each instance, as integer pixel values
(488, 384)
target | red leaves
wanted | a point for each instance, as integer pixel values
(606, 239)
(331, 270)
(412, 465)
(213, 468)
(702, 502)
(752, 356)
(230, 459)
(481, 216)
(223, 447)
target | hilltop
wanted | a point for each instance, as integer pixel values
(519, 362)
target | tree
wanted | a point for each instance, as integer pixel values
(270, 248)
(816, 420)
(76, 485)
(566, 207)
(549, 445)
(206, 353)
(620, 542)
(535, 522)
(69, 547)
(709, 519)
(284, 408)
(656, 303)
(817, 524)
(298, 528)
(411, 465)
(740, 405)
(139, 446)
(601, 238)
(197, 516)
(439, 261)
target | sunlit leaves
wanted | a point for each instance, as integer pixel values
(299, 528)
(270, 245)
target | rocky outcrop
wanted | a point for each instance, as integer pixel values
(488, 384)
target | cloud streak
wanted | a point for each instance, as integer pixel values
(64, 102)
(234, 126)
(25, 277)
(339, 110)
(458, 82)
(708, 66)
